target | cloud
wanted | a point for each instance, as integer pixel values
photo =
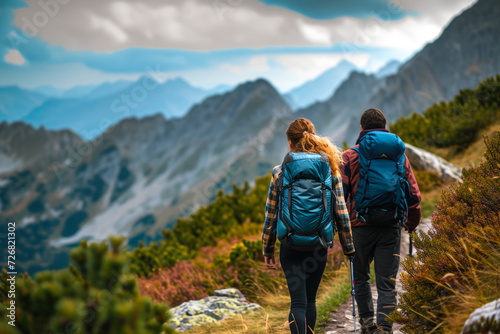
(14, 57)
(109, 28)
(200, 25)
(315, 34)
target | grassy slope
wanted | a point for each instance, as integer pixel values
(472, 156)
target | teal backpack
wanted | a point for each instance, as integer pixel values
(306, 202)
(383, 192)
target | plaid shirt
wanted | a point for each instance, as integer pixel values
(269, 233)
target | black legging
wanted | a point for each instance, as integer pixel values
(303, 271)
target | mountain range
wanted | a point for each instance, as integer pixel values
(141, 173)
(84, 109)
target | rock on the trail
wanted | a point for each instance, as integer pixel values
(210, 309)
(426, 161)
(485, 319)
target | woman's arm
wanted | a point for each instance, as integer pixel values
(269, 232)
(343, 224)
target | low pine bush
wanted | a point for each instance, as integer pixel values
(457, 265)
(96, 295)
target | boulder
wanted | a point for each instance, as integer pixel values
(485, 319)
(422, 160)
(210, 309)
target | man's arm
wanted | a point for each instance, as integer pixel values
(345, 172)
(414, 214)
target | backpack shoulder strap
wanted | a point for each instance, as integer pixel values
(279, 182)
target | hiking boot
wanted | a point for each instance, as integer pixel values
(382, 331)
(368, 325)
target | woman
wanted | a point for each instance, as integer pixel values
(304, 268)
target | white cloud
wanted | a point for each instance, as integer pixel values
(108, 27)
(14, 57)
(315, 33)
(206, 25)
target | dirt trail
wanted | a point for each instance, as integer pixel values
(341, 321)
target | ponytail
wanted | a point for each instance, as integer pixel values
(304, 139)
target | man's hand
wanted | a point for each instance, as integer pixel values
(269, 261)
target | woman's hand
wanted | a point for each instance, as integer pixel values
(269, 261)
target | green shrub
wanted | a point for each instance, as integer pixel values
(457, 265)
(455, 123)
(238, 214)
(96, 295)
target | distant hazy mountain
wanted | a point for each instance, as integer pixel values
(390, 68)
(16, 102)
(49, 90)
(89, 110)
(321, 87)
(96, 91)
(466, 53)
(92, 91)
(140, 175)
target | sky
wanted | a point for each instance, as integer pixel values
(65, 43)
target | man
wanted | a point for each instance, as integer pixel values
(378, 243)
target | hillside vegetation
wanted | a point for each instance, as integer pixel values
(229, 215)
(453, 124)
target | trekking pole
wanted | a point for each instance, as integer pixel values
(411, 244)
(353, 293)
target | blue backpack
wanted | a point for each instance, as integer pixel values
(306, 201)
(383, 190)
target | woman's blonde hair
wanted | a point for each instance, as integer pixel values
(304, 139)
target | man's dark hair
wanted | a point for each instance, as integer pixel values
(373, 118)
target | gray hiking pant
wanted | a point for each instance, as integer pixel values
(381, 244)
